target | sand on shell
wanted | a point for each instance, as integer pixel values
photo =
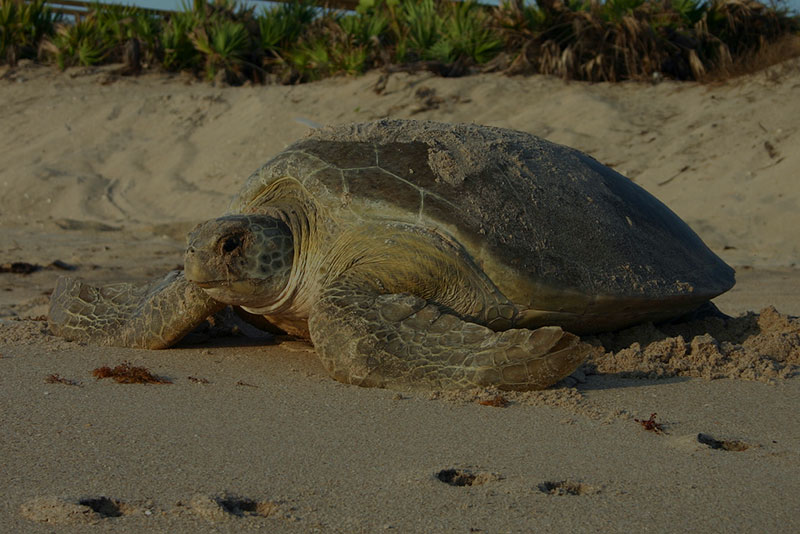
(106, 176)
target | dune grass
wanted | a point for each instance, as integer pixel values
(590, 40)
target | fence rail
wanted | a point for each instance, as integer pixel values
(79, 9)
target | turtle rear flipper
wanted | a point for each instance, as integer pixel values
(402, 341)
(153, 315)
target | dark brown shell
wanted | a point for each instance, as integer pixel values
(537, 216)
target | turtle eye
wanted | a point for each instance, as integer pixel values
(231, 244)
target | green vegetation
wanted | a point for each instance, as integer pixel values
(23, 27)
(591, 40)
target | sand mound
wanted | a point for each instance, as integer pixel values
(755, 346)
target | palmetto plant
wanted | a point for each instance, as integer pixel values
(616, 10)
(365, 30)
(332, 44)
(178, 51)
(427, 30)
(281, 26)
(225, 45)
(466, 35)
(81, 43)
(108, 33)
(23, 26)
(130, 33)
(623, 39)
(422, 28)
(222, 34)
(575, 39)
(689, 11)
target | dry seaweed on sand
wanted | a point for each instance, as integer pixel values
(497, 401)
(56, 378)
(651, 425)
(125, 373)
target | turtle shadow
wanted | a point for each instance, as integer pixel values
(204, 341)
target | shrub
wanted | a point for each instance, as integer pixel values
(23, 27)
(632, 39)
(293, 42)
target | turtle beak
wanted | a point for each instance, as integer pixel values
(200, 265)
(192, 268)
(203, 268)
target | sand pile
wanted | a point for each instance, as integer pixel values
(755, 346)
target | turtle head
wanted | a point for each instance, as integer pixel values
(244, 260)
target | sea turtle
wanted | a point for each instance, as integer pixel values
(422, 254)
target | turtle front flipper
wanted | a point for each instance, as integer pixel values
(402, 341)
(152, 315)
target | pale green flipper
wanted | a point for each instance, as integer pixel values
(153, 315)
(402, 341)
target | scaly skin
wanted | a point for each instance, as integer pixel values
(154, 315)
(401, 341)
(414, 311)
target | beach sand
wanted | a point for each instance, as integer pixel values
(102, 176)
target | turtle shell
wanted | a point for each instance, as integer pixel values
(564, 237)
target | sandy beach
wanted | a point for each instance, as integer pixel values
(101, 178)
